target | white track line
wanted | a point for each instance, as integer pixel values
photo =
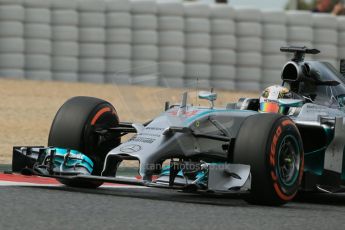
(26, 184)
(10, 183)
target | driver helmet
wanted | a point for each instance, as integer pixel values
(270, 99)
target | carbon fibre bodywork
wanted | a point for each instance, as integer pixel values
(205, 137)
(202, 133)
(210, 133)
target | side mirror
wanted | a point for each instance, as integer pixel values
(316, 76)
(210, 96)
(342, 67)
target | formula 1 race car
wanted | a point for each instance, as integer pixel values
(270, 148)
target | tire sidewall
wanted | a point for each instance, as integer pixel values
(258, 134)
(74, 127)
(87, 137)
(282, 128)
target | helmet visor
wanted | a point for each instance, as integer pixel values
(269, 107)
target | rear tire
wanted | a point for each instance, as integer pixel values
(72, 128)
(272, 146)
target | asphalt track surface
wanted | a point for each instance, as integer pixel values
(58, 207)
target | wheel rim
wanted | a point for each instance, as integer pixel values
(289, 160)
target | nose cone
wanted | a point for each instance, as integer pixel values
(148, 146)
(149, 152)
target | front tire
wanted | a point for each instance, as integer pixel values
(272, 146)
(73, 128)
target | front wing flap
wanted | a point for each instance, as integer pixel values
(72, 165)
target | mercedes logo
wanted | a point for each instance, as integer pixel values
(130, 148)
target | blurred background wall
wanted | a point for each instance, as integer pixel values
(167, 43)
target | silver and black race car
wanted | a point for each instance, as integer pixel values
(270, 149)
